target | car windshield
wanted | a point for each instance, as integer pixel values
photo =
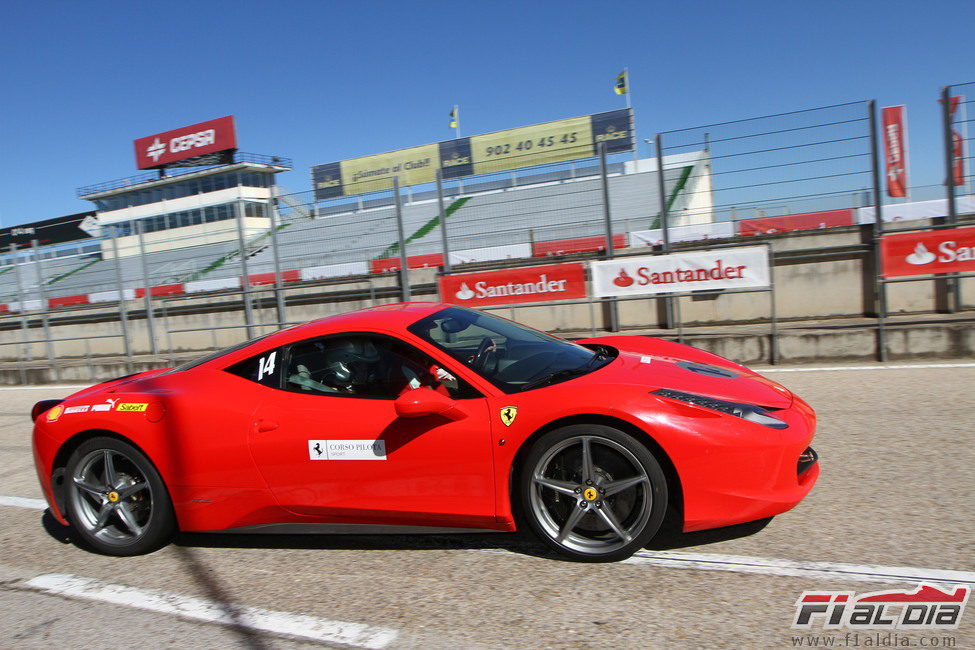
(511, 356)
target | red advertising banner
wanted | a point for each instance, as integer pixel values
(804, 221)
(186, 142)
(957, 143)
(895, 149)
(530, 284)
(926, 253)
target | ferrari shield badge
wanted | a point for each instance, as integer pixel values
(508, 415)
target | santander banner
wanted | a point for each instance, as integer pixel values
(186, 142)
(530, 284)
(726, 268)
(895, 148)
(926, 253)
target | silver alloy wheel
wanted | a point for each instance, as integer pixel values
(591, 494)
(112, 499)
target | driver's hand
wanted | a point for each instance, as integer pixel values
(441, 374)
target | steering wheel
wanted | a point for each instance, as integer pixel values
(488, 349)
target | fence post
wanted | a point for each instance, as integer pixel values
(878, 231)
(954, 294)
(444, 241)
(664, 225)
(45, 314)
(147, 298)
(122, 311)
(404, 271)
(947, 121)
(773, 318)
(169, 335)
(26, 350)
(245, 280)
(272, 205)
(612, 305)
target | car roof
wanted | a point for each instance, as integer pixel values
(393, 316)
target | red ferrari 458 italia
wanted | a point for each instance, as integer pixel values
(423, 417)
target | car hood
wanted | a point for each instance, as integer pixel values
(128, 383)
(687, 369)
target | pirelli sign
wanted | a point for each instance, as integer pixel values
(562, 140)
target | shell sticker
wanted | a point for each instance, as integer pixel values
(55, 413)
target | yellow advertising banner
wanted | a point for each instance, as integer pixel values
(527, 146)
(413, 166)
(532, 145)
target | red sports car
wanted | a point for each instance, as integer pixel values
(426, 417)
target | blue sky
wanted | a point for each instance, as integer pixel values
(323, 81)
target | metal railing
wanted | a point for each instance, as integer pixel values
(149, 177)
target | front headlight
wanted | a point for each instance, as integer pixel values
(749, 412)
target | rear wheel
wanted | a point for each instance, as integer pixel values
(592, 492)
(116, 500)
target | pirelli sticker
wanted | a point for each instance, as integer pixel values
(132, 406)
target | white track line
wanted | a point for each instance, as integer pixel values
(21, 502)
(914, 366)
(199, 609)
(774, 566)
(51, 387)
(734, 563)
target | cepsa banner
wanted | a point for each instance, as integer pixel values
(529, 284)
(180, 144)
(726, 268)
(927, 253)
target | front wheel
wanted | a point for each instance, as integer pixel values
(116, 500)
(592, 492)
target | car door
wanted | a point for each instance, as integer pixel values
(329, 442)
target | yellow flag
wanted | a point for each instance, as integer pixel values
(620, 86)
(453, 117)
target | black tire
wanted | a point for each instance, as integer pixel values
(115, 499)
(611, 520)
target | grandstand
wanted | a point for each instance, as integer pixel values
(490, 219)
(539, 207)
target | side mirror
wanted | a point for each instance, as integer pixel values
(419, 402)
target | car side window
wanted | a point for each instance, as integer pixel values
(360, 365)
(264, 368)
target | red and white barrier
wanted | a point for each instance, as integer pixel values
(639, 238)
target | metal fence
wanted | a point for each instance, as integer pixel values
(806, 161)
(152, 293)
(957, 106)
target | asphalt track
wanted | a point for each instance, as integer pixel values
(895, 506)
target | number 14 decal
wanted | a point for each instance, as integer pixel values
(265, 365)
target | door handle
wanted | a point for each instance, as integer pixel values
(262, 426)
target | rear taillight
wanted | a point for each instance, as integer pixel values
(43, 406)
